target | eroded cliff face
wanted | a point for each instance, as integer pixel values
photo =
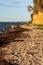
(38, 18)
(38, 12)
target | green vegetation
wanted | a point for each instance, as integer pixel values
(38, 6)
(29, 23)
(40, 26)
(42, 32)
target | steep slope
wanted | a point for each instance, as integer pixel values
(38, 12)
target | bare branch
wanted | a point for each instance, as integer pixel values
(30, 8)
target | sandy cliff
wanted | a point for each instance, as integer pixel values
(38, 18)
(37, 12)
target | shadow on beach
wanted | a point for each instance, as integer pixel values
(8, 37)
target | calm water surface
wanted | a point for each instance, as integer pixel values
(5, 25)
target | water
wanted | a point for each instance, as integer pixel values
(5, 25)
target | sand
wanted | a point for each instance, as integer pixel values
(23, 47)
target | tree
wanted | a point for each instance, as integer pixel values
(30, 8)
(37, 15)
(38, 6)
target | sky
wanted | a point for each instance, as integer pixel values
(15, 10)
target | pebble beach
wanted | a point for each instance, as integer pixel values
(24, 46)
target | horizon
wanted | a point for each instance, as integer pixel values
(11, 10)
(14, 21)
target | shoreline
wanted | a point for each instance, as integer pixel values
(22, 46)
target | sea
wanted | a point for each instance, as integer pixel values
(5, 25)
